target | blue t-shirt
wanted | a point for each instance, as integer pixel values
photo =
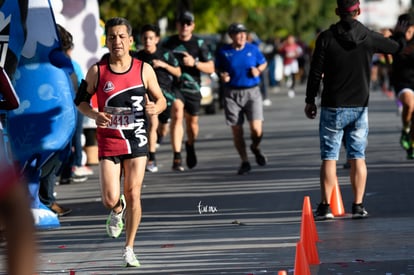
(78, 71)
(238, 64)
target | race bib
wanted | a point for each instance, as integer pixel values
(122, 118)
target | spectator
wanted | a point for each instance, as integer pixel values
(254, 39)
(73, 168)
(343, 56)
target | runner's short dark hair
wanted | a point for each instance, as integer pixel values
(150, 27)
(118, 21)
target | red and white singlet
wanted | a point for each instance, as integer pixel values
(122, 95)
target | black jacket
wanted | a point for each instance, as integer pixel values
(343, 59)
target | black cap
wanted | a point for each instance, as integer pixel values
(236, 28)
(185, 16)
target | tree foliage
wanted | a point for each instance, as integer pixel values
(268, 18)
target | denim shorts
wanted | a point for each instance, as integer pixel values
(343, 125)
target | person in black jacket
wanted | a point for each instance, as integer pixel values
(342, 60)
(403, 81)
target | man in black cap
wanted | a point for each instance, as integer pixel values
(194, 57)
(240, 65)
(342, 58)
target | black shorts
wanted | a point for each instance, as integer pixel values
(192, 101)
(166, 114)
(121, 158)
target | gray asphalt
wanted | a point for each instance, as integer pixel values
(248, 224)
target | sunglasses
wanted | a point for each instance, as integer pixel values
(187, 22)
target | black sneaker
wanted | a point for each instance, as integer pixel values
(323, 212)
(410, 153)
(260, 158)
(64, 181)
(177, 165)
(358, 211)
(244, 168)
(191, 156)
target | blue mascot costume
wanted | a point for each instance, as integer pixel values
(41, 128)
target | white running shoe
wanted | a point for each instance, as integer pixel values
(80, 171)
(152, 167)
(114, 223)
(267, 102)
(130, 260)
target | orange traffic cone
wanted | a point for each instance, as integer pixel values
(336, 203)
(301, 262)
(307, 219)
(282, 272)
(308, 235)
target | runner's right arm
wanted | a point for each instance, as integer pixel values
(86, 90)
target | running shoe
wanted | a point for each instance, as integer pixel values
(260, 158)
(79, 179)
(177, 165)
(410, 153)
(191, 156)
(244, 168)
(267, 102)
(130, 260)
(405, 140)
(81, 171)
(323, 212)
(60, 210)
(152, 166)
(358, 211)
(63, 181)
(115, 223)
(72, 179)
(159, 141)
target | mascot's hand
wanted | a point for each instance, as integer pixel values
(103, 119)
